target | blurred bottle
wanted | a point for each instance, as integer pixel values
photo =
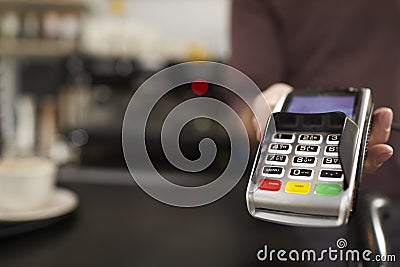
(50, 25)
(25, 127)
(69, 26)
(10, 25)
(31, 26)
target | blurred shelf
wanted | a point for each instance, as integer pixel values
(60, 4)
(37, 47)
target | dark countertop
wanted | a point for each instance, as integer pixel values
(117, 224)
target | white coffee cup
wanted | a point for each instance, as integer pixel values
(26, 183)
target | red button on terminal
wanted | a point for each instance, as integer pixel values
(270, 185)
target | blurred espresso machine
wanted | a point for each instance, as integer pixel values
(75, 107)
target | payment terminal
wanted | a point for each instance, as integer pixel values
(309, 163)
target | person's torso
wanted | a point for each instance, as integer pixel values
(346, 43)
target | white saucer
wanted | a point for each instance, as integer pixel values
(63, 201)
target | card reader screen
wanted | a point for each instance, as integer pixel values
(322, 103)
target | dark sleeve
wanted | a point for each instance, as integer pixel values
(256, 49)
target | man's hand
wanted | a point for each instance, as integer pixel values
(378, 150)
(271, 96)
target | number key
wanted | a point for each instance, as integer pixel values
(331, 150)
(283, 138)
(276, 159)
(301, 174)
(310, 139)
(307, 150)
(331, 162)
(333, 139)
(280, 148)
(304, 161)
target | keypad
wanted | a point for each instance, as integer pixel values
(303, 163)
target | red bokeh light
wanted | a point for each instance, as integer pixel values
(199, 87)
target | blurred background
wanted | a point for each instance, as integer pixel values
(68, 69)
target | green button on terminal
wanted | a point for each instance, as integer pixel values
(328, 189)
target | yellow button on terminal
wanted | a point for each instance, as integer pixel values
(297, 188)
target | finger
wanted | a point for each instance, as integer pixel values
(275, 92)
(270, 97)
(261, 113)
(376, 156)
(255, 126)
(382, 121)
